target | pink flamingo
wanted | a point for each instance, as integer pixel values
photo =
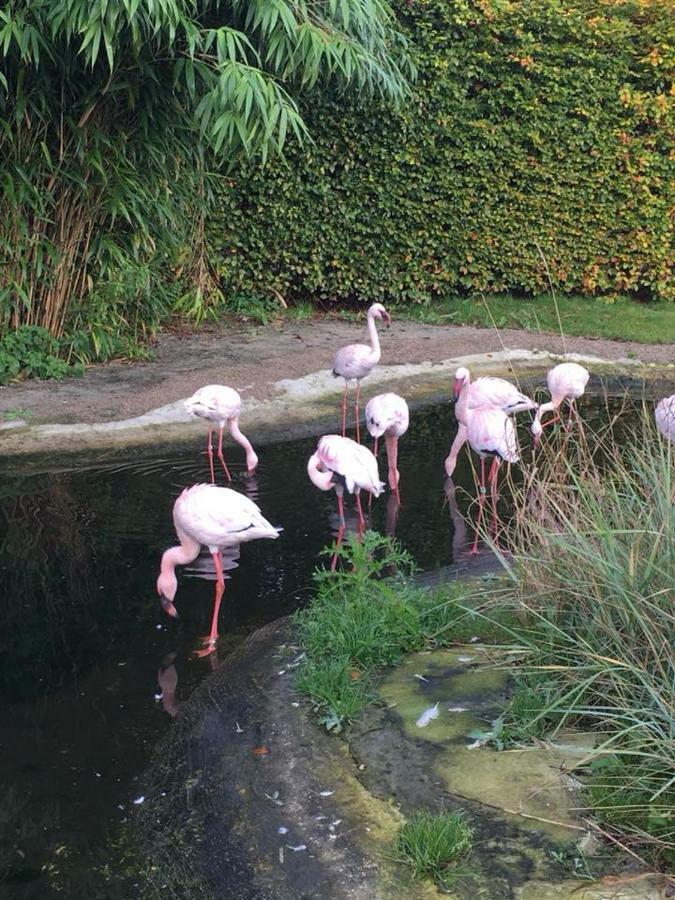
(483, 392)
(665, 417)
(217, 517)
(355, 361)
(566, 381)
(388, 415)
(490, 431)
(221, 405)
(339, 463)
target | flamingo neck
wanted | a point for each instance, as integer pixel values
(175, 556)
(391, 442)
(547, 407)
(251, 456)
(462, 405)
(318, 476)
(374, 337)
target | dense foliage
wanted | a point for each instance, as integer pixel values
(112, 114)
(539, 129)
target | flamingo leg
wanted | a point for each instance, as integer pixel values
(344, 409)
(209, 453)
(338, 544)
(356, 411)
(362, 521)
(341, 508)
(481, 504)
(492, 481)
(220, 454)
(212, 639)
(392, 460)
(555, 418)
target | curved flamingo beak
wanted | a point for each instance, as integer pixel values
(387, 318)
(457, 388)
(168, 606)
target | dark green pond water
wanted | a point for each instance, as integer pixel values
(83, 634)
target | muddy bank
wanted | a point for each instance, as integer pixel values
(250, 798)
(284, 375)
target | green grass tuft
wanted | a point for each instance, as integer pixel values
(432, 844)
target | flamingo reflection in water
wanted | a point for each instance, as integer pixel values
(217, 518)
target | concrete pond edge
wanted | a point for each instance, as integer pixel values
(306, 405)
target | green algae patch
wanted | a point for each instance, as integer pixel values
(450, 698)
(573, 890)
(374, 824)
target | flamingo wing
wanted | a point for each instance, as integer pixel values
(664, 414)
(216, 516)
(216, 402)
(567, 380)
(498, 392)
(354, 361)
(492, 431)
(387, 412)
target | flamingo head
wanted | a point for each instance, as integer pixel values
(377, 311)
(167, 585)
(536, 430)
(461, 378)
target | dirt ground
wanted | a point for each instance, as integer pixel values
(254, 358)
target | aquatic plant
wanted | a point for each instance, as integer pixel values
(433, 843)
(595, 578)
(367, 615)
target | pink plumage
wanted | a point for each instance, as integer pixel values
(664, 414)
(221, 405)
(485, 392)
(388, 415)
(339, 463)
(490, 431)
(215, 517)
(355, 361)
(566, 382)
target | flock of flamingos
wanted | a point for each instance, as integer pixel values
(218, 517)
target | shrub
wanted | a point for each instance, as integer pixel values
(533, 125)
(32, 352)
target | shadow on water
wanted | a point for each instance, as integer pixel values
(83, 635)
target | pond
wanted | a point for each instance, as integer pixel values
(83, 633)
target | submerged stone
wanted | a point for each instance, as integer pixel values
(469, 685)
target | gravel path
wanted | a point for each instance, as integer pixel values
(255, 358)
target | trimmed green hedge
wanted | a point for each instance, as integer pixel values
(545, 123)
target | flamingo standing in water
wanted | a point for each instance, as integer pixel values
(491, 432)
(339, 463)
(355, 361)
(665, 417)
(217, 517)
(388, 415)
(496, 393)
(566, 381)
(221, 405)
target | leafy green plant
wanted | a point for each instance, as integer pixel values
(32, 352)
(432, 844)
(116, 122)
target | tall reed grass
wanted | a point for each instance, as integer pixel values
(594, 539)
